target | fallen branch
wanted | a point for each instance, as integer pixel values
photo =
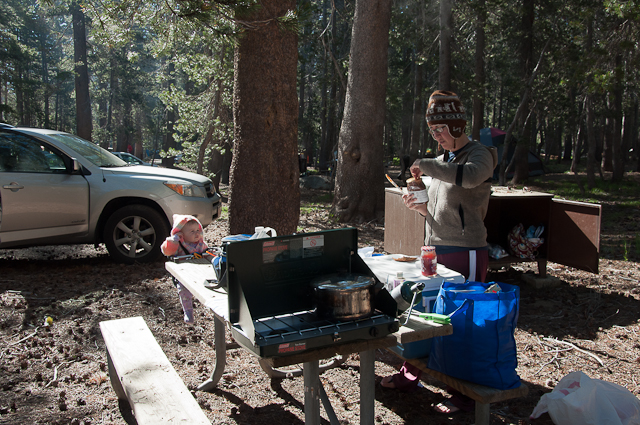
(55, 373)
(578, 349)
(550, 361)
(26, 337)
(558, 350)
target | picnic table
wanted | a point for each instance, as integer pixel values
(197, 275)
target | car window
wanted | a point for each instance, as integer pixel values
(130, 159)
(21, 154)
(92, 152)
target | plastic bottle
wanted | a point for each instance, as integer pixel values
(399, 279)
(429, 261)
(418, 189)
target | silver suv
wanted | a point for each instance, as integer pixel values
(58, 189)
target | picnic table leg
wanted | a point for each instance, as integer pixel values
(115, 380)
(542, 267)
(221, 356)
(482, 413)
(311, 375)
(367, 387)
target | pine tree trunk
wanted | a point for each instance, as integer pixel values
(616, 132)
(478, 98)
(591, 143)
(444, 68)
(359, 184)
(264, 172)
(168, 141)
(520, 156)
(84, 124)
(418, 113)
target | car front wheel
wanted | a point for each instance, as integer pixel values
(134, 234)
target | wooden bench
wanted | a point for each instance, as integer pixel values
(482, 395)
(141, 374)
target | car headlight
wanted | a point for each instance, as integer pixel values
(190, 190)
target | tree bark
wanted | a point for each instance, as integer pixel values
(616, 132)
(214, 115)
(45, 83)
(114, 87)
(138, 149)
(418, 113)
(607, 142)
(264, 172)
(407, 107)
(359, 185)
(591, 142)
(444, 64)
(478, 97)
(168, 141)
(84, 125)
(520, 156)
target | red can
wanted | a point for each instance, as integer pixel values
(429, 261)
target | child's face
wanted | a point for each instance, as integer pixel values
(191, 232)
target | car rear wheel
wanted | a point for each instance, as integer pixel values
(134, 234)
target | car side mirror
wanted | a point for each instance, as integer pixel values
(76, 167)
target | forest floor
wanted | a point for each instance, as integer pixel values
(58, 374)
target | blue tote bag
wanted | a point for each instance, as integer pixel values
(482, 348)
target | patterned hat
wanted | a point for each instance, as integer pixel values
(445, 108)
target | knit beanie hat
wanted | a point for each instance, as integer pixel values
(445, 108)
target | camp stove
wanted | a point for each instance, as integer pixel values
(271, 302)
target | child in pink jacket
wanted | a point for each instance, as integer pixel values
(186, 238)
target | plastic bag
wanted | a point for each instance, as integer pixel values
(580, 400)
(522, 246)
(497, 252)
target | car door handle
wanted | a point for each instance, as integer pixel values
(13, 186)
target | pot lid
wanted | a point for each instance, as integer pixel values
(342, 281)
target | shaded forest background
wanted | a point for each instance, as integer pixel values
(157, 78)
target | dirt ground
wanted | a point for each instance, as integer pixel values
(57, 374)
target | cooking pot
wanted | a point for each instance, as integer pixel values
(343, 296)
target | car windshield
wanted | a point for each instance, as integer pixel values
(90, 151)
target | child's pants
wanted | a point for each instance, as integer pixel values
(186, 300)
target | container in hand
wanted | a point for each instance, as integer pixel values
(418, 189)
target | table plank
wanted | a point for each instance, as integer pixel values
(193, 274)
(418, 329)
(331, 351)
(480, 393)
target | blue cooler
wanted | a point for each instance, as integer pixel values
(416, 350)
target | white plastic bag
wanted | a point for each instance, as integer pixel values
(366, 251)
(580, 400)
